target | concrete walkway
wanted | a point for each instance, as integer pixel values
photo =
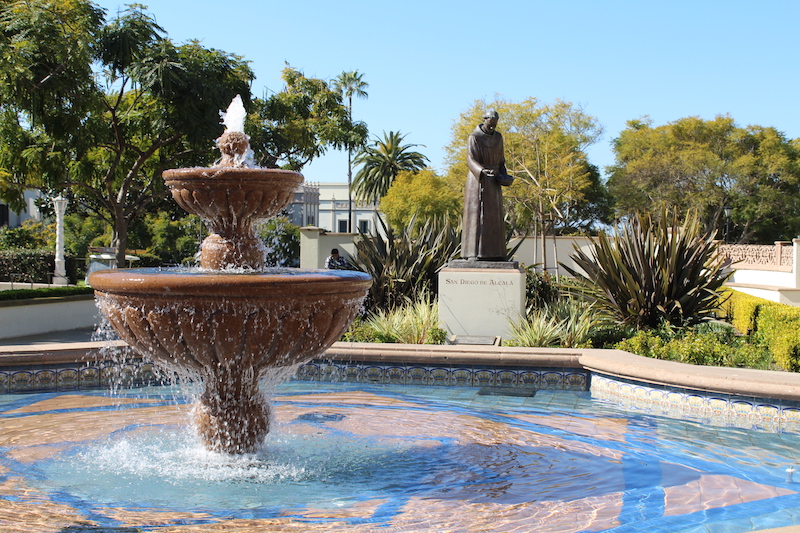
(53, 337)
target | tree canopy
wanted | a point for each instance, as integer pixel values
(544, 150)
(101, 108)
(301, 122)
(703, 165)
(416, 197)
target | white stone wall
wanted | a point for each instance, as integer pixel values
(28, 317)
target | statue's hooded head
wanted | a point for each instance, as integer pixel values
(490, 118)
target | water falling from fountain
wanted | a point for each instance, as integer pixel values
(232, 321)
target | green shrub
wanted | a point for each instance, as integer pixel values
(45, 292)
(31, 234)
(778, 328)
(742, 310)
(653, 271)
(360, 331)
(540, 290)
(416, 322)
(32, 266)
(645, 343)
(698, 346)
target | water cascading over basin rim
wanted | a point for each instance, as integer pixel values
(230, 328)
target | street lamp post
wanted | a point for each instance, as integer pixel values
(60, 273)
(727, 210)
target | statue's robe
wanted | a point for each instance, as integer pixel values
(483, 234)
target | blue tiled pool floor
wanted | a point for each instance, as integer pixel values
(363, 458)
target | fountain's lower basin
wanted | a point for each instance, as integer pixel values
(365, 458)
(230, 328)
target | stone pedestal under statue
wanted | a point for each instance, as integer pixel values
(480, 298)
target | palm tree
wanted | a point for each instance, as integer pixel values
(381, 162)
(350, 84)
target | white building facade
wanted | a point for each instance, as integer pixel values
(304, 208)
(335, 208)
(14, 220)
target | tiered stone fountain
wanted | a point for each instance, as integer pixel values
(232, 320)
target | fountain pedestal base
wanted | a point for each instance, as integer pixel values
(233, 414)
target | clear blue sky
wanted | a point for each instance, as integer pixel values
(427, 61)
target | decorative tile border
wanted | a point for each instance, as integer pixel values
(59, 378)
(722, 410)
(467, 376)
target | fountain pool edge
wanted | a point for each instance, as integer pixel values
(744, 398)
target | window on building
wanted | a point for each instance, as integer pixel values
(363, 226)
(311, 221)
(343, 226)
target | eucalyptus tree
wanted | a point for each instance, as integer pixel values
(350, 84)
(381, 162)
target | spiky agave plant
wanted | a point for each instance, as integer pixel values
(404, 265)
(653, 271)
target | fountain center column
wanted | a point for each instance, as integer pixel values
(233, 415)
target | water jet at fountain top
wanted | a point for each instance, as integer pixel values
(234, 117)
(231, 327)
(234, 143)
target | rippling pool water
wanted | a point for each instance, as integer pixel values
(344, 457)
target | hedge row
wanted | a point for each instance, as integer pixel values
(774, 324)
(45, 292)
(33, 266)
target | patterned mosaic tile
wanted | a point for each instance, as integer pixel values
(712, 409)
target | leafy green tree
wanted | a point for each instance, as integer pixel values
(301, 122)
(119, 104)
(31, 234)
(704, 165)
(173, 240)
(82, 232)
(282, 239)
(102, 108)
(381, 162)
(545, 152)
(419, 196)
(350, 84)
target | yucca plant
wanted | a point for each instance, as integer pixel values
(403, 266)
(537, 329)
(652, 272)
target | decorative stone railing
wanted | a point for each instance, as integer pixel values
(778, 257)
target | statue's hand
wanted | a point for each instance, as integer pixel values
(488, 172)
(504, 179)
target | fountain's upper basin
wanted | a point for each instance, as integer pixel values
(227, 195)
